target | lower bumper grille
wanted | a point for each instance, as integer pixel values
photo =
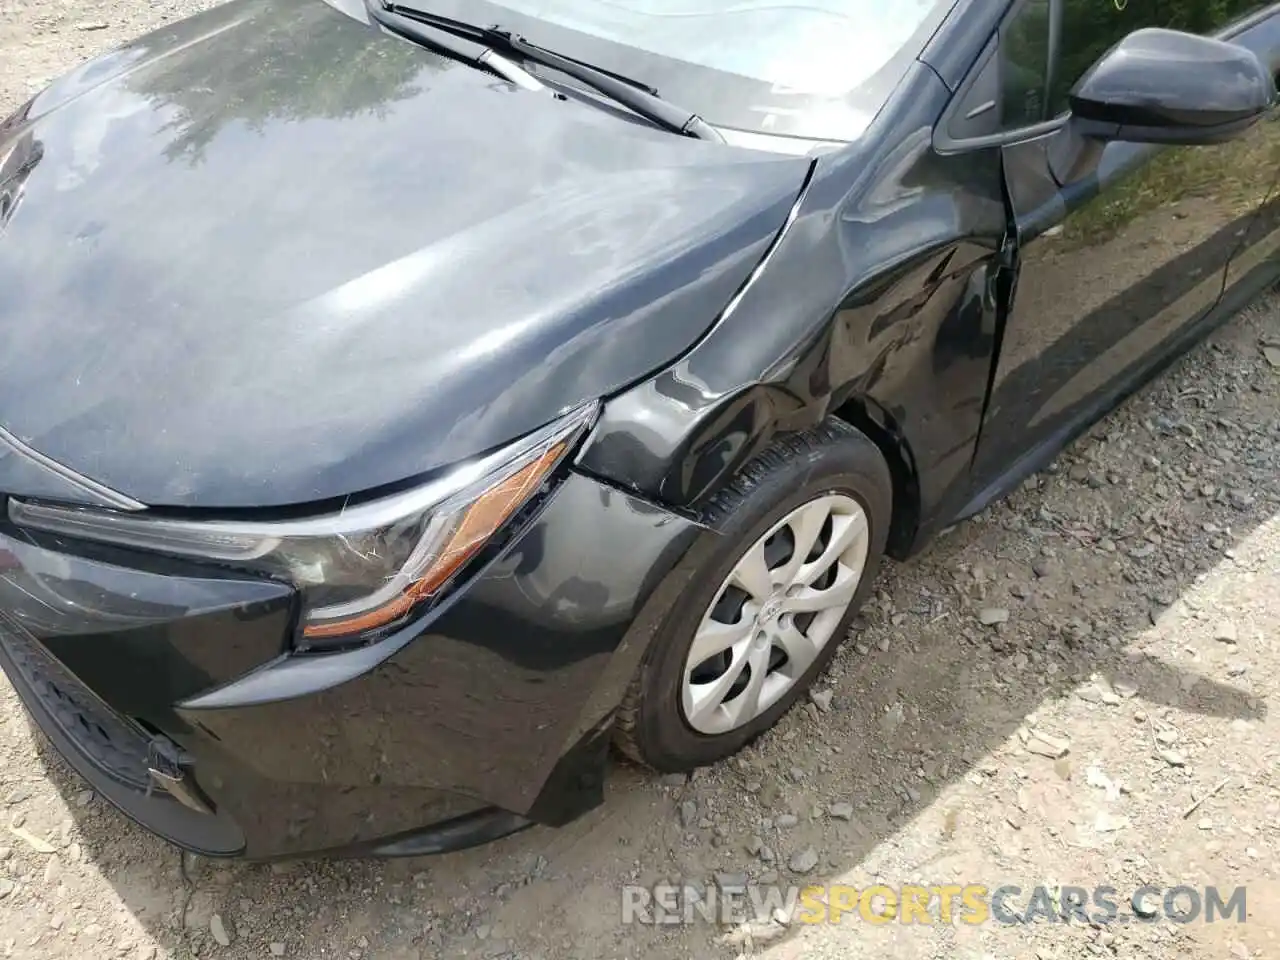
(113, 743)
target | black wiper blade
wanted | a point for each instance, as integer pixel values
(479, 33)
(632, 94)
(410, 29)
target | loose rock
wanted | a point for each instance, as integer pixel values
(1109, 823)
(803, 861)
(841, 810)
(1095, 777)
(688, 814)
(1125, 691)
(38, 844)
(731, 881)
(1044, 745)
(17, 795)
(822, 699)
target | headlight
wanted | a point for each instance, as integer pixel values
(365, 567)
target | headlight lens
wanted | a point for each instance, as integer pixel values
(365, 567)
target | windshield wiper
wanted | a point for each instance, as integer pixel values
(410, 29)
(632, 94)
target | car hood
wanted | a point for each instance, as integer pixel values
(273, 256)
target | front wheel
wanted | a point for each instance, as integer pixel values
(802, 532)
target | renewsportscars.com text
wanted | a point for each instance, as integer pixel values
(971, 903)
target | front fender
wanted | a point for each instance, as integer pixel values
(876, 294)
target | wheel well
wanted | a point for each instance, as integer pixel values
(879, 427)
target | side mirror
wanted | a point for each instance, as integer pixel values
(1165, 86)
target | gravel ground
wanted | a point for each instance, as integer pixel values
(1120, 610)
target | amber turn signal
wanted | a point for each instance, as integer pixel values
(474, 526)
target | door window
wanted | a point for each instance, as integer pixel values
(1024, 65)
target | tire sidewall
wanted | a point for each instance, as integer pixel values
(851, 466)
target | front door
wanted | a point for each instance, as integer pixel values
(1120, 250)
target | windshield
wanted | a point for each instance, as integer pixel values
(819, 69)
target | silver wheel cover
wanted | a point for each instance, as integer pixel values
(774, 613)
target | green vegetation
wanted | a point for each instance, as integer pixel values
(1236, 176)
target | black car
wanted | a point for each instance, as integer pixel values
(401, 404)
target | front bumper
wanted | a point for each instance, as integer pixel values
(491, 713)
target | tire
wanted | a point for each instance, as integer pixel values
(831, 464)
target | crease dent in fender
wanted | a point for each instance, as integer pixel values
(635, 493)
(792, 215)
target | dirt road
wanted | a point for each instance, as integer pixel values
(1123, 607)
